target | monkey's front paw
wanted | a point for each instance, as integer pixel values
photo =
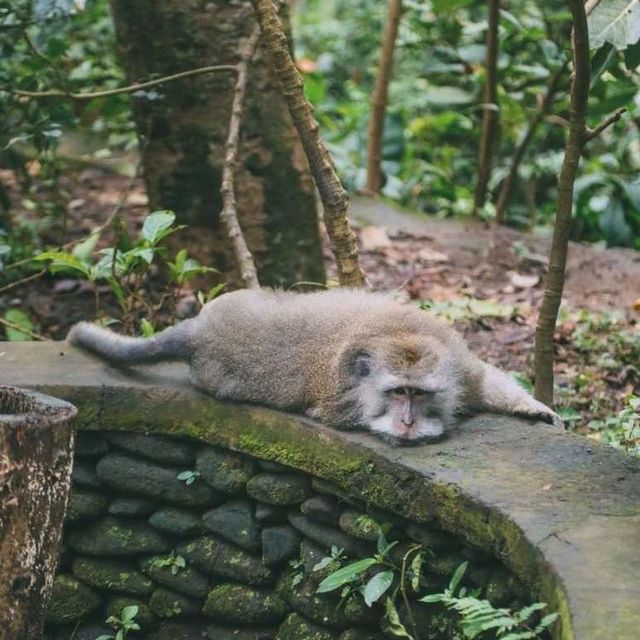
(538, 411)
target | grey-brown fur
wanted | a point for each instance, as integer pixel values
(308, 353)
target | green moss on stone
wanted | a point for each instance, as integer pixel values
(359, 525)
(279, 489)
(113, 537)
(218, 558)
(70, 601)
(169, 604)
(295, 627)
(167, 571)
(111, 576)
(238, 604)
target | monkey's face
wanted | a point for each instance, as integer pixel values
(405, 404)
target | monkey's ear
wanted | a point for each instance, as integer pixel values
(361, 364)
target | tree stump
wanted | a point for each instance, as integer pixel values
(36, 453)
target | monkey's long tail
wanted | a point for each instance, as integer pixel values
(171, 344)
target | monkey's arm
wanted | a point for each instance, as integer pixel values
(502, 394)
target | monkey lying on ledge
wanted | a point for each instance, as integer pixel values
(351, 359)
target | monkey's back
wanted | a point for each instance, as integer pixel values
(278, 347)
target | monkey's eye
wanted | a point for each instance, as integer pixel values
(420, 392)
(399, 391)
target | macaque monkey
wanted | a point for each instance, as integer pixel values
(348, 358)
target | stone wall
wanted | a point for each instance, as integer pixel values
(561, 512)
(213, 544)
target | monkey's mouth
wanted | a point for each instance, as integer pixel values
(427, 431)
(399, 441)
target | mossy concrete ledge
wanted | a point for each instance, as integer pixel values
(562, 512)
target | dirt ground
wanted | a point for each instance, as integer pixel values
(488, 281)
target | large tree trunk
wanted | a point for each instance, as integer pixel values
(188, 124)
(36, 447)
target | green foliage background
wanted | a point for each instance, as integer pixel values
(435, 107)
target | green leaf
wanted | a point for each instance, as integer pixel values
(440, 6)
(382, 543)
(601, 61)
(614, 226)
(376, 587)
(345, 575)
(181, 258)
(63, 261)
(395, 627)
(118, 292)
(156, 223)
(547, 621)
(84, 249)
(323, 563)
(433, 597)
(457, 577)
(416, 567)
(614, 21)
(314, 88)
(144, 253)
(130, 612)
(448, 96)
(22, 320)
(45, 9)
(632, 56)
(147, 328)
(104, 268)
(215, 291)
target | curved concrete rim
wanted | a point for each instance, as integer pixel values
(562, 512)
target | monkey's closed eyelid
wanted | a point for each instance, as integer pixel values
(432, 390)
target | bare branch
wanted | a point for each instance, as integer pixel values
(229, 214)
(17, 283)
(559, 120)
(607, 122)
(335, 200)
(17, 327)
(379, 99)
(138, 86)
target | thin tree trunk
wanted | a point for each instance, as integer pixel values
(558, 256)
(36, 449)
(507, 186)
(379, 99)
(335, 200)
(490, 113)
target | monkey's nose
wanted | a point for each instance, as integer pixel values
(408, 421)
